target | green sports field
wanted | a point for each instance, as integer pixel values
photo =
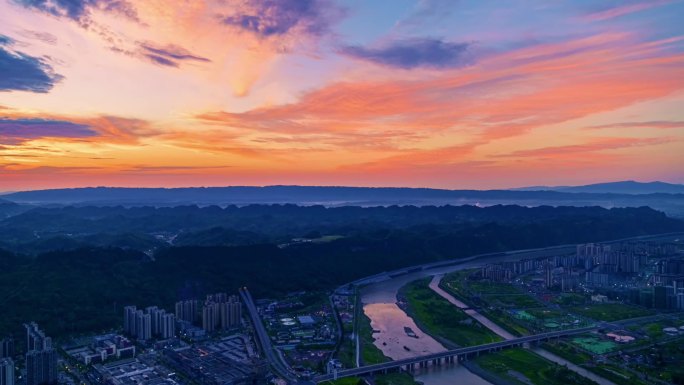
(595, 345)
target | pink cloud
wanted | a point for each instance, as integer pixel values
(623, 10)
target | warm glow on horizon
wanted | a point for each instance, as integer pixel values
(419, 93)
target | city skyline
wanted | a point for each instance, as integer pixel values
(405, 93)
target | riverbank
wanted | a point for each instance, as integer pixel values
(441, 319)
(370, 354)
(435, 285)
(474, 368)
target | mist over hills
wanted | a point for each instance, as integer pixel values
(8, 209)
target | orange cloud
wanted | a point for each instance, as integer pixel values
(114, 129)
(503, 96)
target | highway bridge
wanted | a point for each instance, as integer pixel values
(274, 358)
(455, 355)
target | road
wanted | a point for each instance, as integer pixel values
(272, 355)
(336, 314)
(355, 330)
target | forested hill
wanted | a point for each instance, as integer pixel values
(148, 228)
(8, 209)
(79, 288)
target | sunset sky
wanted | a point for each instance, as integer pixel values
(434, 93)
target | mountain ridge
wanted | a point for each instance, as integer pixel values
(603, 195)
(310, 193)
(619, 187)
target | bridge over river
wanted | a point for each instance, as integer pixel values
(455, 355)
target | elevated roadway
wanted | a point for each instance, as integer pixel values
(454, 355)
(270, 353)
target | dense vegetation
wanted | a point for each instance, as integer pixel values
(147, 228)
(442, 320)
(370, 354)
(494, 299)
(606, 369)
(73, 286)
(520, 365)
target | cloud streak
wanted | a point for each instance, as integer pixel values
(272, 18)
(160, 60)
(45, 37)
(658, 124)
(592, 146)
(22, 72)
(16, 128)
(170, 54)
(16, 131)
(80, 10)
(414, 53)
(624, 10)
(428, 12)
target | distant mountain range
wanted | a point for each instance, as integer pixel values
(658, 195)
(326, 195)
(622, 187)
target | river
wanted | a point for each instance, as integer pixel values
(380, 305)
(388, 322)
(448, 375)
